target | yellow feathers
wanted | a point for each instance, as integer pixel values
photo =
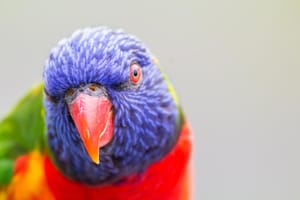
(170, 87)
(29, 181)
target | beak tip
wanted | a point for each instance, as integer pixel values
(95, 159)
(96, 162)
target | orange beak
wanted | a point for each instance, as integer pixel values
(93, 119)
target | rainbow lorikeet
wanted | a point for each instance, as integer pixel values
(110, 126)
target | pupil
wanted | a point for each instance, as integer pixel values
(135, 72)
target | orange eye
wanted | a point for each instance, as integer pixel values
(70, 92)
(135, 73)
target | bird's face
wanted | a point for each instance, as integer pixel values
(108, 109)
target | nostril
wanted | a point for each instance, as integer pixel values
(70, 92)
(93, 88)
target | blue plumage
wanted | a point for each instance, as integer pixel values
(145, 114)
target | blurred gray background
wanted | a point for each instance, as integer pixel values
(235, 66)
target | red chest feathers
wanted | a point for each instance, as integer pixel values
(166, 179)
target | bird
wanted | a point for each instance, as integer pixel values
(105, 124)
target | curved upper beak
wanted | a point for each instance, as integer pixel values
(93, 119)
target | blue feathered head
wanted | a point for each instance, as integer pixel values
(109, 112)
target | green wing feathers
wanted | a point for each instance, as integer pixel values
(22, 131)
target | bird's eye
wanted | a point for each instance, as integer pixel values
(70, 92)
(49, 97)
(135, 73)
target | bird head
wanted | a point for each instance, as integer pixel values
(109, 110)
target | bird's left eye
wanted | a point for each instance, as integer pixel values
(135, 73)
(49, 97)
